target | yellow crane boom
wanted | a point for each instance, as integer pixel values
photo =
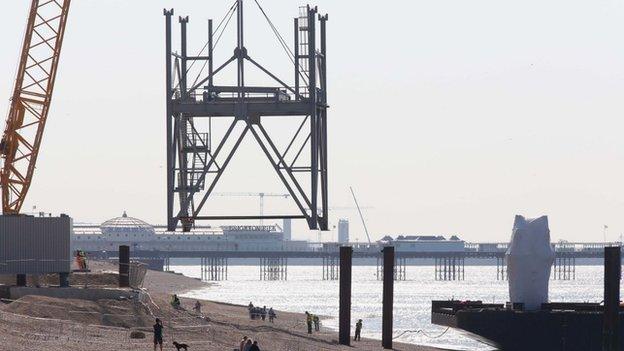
(31, 99)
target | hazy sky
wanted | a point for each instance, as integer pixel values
(447, 117)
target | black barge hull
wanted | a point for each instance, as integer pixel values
(558, 326)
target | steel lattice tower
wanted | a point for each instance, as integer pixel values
(194, 166)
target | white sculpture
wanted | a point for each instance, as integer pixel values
(529, 259)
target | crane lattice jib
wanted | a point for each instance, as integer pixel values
(31, 99)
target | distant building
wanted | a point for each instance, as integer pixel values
(287, 230)
(424, 243)
(343, 231)
(140, 235)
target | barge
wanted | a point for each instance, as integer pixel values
(556, 326)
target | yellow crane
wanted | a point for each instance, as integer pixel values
(30, 102)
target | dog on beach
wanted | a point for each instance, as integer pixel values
(180, 346)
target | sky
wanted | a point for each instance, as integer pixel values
(447, 117)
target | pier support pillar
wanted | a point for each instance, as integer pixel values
(214, 268)
(400, 270)
(399, 267)
(612, 276)
(124, 266)
(450, 268)
(501, 268)
(344, 323)
(274, 268)
(564, 268)
(330, 267)
(167, 264)
(388, 296)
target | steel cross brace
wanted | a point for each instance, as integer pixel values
(277, 160)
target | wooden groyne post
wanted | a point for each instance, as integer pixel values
(388, 295)
(344, 324)
(612, 276)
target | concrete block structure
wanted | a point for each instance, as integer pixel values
(35, 245)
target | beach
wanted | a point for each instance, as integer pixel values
(38, 323)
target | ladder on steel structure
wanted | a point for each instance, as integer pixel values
(197, 149)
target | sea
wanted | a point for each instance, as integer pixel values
(305, 290)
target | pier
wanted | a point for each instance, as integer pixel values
(448, 265)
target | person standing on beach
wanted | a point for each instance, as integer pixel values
(254, 347)
(251, 309)
(175, 301)
(309, 321)
(358, 330)
(158, 334)
(242, 343)
(247, 345)
(197, 307)
(271, 315)
(317, 323)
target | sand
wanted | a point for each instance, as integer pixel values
(41, 323)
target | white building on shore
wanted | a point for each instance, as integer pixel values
(343, 231)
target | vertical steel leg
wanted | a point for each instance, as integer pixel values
(171, 222)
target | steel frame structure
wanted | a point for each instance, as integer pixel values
(31, 99)
(194, 167)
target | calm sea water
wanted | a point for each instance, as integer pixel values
(305, 290)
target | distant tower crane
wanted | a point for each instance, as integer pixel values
(260, 195)
(31, 99)
(341, 208)
(361, 216)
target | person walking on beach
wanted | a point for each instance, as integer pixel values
(158, 334)
(197, 307)
(317, 323)
(263, 313)
(251, 309)
(358, 330)
(309, 321)
(242, 343)
(271, 315)
(254, 347)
